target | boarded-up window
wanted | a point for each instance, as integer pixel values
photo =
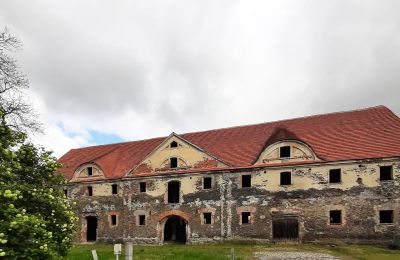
(286, 178)
(386, 173)
(142, 186)
(207, 217)
(284, 152)
(386, 216)
(335, 217)
(335, 176)
(207, 183)
(246, 181)
(246, 217)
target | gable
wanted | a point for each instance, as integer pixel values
(176, 153)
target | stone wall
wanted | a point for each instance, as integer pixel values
(359, 196)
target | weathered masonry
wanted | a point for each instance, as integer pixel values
(325, 178)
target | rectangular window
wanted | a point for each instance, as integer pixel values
(246, 181)
(286, 178)
(113, 220)
(114, 189)
(386, 173)
(335, 217)
(89, 171)
(142, 220)
(246, 217)
(142, 186)
(335, 175)
(90, 190)
(207, 183)
(284, 152)
(66, 192)
(207, 217)
(173, 162)
(386, 216)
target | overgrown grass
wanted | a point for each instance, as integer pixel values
(222, 251)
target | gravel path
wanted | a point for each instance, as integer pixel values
(293, 255)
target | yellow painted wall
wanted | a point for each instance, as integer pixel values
(299, 152)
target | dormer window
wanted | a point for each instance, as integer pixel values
(173, 144)
(173, 162)
(89, 171)
(284, 152)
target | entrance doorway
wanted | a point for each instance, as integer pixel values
(175, 230)
(285, 229)
(91, 229)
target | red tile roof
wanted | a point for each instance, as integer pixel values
(360, 134)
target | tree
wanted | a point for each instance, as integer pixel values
(36, 218)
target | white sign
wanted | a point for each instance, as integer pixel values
(117, 249)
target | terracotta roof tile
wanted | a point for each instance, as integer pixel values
(359, 134)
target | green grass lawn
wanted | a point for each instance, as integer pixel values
(222, 251)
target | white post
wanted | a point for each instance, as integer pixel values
(94, 254)
(128, 251)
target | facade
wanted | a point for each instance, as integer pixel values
(327, 178)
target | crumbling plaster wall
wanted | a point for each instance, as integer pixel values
(310, 197)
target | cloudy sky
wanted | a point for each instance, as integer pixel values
(110, 71)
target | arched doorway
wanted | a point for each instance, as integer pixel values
(175, 230)
(91, 229)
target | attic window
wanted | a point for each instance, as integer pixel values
(335, 176)
(386, 173)
(173, 162)
(114, 189)
(284, 152)
(173, 144)
(246, 181)
(89, 171)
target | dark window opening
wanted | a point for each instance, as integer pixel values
(142, 186)
(246, 181)
(207, 183)
(173, 191)
(142, 220)
(113, 220)
(335, 176)
(66, 192)
(175, 230)
(246, 217)
(335, 217)
(114, 189)
(173, 144)
(284, 152)
(385, 216)
(386, 173)
(90, 190)
(89, 171)
(91, 229)
(173, 162)
(207, 217)
(286, 178)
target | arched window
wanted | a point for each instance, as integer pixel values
(173, 144)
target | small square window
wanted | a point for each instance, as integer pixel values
(286, 178)
(335, 176)
(207, 217)
(114, 189)
(386, 173)
(142, 220)
(207, 183)
(246, 181)
(142, 186)
(246, 217)
(90, 190)
(386, 216)
(173, 162)
(113, 220)
(284, 152)
(89, 171)
(335, 217)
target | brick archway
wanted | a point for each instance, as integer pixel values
(162, 219)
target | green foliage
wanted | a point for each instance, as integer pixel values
(36, 219)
